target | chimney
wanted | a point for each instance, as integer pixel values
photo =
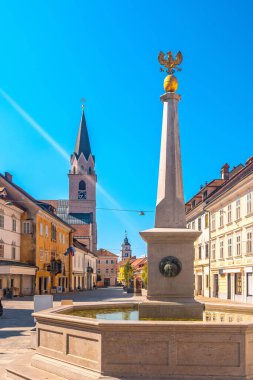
(225, 171)
(8, 176)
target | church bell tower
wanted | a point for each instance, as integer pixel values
(82, 188)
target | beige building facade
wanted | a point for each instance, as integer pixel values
(84, 270)
(107, 268)
(224, 251)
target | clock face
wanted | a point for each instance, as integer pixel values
(81, 194)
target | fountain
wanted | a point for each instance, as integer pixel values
(170, 339)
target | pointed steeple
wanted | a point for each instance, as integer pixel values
(82, 141)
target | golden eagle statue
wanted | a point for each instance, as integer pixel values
(170, 63)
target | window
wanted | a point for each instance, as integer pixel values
(63, 238)
(193, 203)
(206, 250)
(213, 251)
(230, 246)
(1, 284)
(238, 208)
(107, 270)
(46, 230)
(46, 256)
(26, 227)
(249, 242)
(238, 283)
(229, 215)
(112, 262)
(221, 218)
(14, 225)
(221, 249)
(1, 250)
(193, 225)
(82, 185)
(53, 255)
(199, 224)
(249, 203)
(60, 237)
(249, 284)
(98, 261)
(98, 270)
(13, 253)
(1, 221)
(41, 254)
(213, 222)
(41, 229)
(206, 221)
(53, 232)
(112, 270)
(238, 245)
(106, 261)
(205, 194)
(200, 252)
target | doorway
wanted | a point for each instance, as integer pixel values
(229, 286)
(215, 285)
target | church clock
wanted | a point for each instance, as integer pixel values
(82, 194)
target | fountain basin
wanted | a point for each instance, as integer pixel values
(84, 348)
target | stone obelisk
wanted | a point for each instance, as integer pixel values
(170, 244)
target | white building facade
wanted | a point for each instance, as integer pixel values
(15, 277)
(224, 268)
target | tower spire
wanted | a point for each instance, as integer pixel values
(82, 141)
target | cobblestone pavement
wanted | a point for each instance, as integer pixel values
(17, 321)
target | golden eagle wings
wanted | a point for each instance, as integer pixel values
(170, 63)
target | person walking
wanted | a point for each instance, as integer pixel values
(1, 308)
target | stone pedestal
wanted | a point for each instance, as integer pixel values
(170, 297)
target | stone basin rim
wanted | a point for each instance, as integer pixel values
(56, 314)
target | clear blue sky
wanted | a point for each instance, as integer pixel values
(53, 53)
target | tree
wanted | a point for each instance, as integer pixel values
(144, 275)
(127, 273)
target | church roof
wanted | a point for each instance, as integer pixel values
(82, 141)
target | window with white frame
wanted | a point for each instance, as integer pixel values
(26, 227)
(238, 245)
(206, 220)
(238, 208)
(13, 252)
(206, 250)
(221, 218)
(249, 236)
(41, 229)
(14, 225)
(249, 203)
(199, 224)
(41, 254)
(1, 250)
(200, 252)
(221, 249)
(229, 214)
(213, 224)
(213, 247)
(230, 246)
(193, 225)
(46, 230)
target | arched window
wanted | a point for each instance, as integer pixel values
(82, 185)
(90, 170)
(74, 170)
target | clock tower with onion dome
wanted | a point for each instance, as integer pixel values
(82, 189)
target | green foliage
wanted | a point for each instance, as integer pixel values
(127, 273)
(144, 275)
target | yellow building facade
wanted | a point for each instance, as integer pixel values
(54, 268)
